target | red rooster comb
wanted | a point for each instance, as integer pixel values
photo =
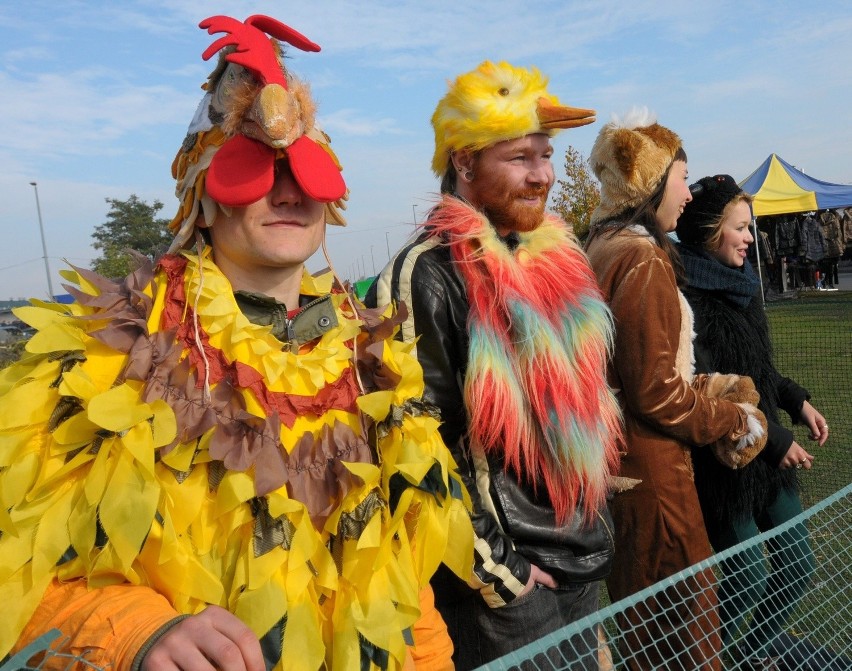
(252, 45)
(279, 116)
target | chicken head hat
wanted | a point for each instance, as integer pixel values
(254, 112)
(630, 157)
(497, 102)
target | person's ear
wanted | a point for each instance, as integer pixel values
(463, 161)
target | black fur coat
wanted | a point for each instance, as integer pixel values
(731, 338)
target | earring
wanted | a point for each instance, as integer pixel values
(468, 176)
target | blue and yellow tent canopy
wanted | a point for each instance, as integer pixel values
(779, 188)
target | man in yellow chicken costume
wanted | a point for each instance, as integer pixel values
(223, 462)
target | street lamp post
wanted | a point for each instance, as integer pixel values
(43, 243)
(387, 241)
(414, 213)
(373, 259)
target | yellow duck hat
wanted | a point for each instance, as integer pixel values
(496, 102)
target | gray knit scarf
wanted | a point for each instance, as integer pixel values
(739, 285)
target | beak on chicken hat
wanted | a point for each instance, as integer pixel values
(254, 112)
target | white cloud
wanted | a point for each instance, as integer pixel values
(96, 96)
(350, 122)
(83, 112)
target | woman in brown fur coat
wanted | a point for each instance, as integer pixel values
(658, 524)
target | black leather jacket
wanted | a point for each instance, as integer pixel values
(514, 527)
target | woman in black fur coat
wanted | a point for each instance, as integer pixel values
(732, 336)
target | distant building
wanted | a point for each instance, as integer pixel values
(6, 316)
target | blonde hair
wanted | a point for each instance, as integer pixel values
(714, 241)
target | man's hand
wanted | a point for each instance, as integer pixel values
(538, 576)
(213, 640)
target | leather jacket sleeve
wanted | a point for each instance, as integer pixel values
(436, 299)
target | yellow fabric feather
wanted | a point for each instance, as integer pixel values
(100, 498)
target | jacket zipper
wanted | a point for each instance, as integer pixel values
(289, 323)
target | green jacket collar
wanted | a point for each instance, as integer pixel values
(316, 316)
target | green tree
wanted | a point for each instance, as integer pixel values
(131, 224)
(578, 193)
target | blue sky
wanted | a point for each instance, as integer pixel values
(96, 98)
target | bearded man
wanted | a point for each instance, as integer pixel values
(513, 337)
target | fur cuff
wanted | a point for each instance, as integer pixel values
(739, 452)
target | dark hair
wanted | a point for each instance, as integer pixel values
(448, 181)
(645, 215)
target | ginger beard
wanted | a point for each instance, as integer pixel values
(504, 206)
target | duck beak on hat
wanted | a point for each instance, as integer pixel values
(561, 116)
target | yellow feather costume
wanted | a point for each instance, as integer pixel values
(316, 521)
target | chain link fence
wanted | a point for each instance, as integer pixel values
(812, 338)
(818, 635)
(46, 652)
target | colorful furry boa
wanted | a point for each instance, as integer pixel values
(540, 334)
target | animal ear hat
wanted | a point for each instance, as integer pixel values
(253, 113)
(630, 157)
(497, 102)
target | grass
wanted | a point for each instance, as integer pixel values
(812, 337)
